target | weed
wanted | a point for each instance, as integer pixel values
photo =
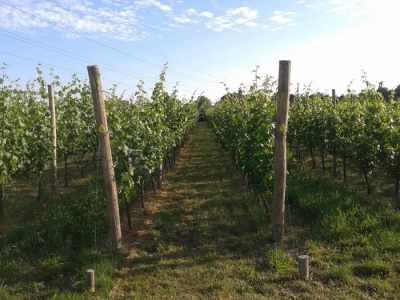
(281, 263)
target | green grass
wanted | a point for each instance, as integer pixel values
(46, 247)
(204, 236)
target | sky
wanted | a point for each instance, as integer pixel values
(209, 45)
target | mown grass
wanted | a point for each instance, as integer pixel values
(206, 237)
(46, 247)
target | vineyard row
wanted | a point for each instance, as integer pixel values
(146, 130)
(363, 129)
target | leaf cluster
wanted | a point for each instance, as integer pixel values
(244, 124)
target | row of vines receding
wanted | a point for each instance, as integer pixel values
(146, 131)
(362, 129)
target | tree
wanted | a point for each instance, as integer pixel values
(397, 92)
(203, 103)
(384, 91)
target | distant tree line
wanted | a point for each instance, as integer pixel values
(384, 91)
(204, 104)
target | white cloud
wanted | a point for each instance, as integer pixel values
(222, 27)
(163, 28)
(79, 5)
(251, 24)
(244, 11)
(191, 11)
(145, 34)
(118, 19)
(280, 18)
(188, 17)
(206, 14)
(276, 29)
(300, 2)
(185, 19)
(352, 7)
(112, 3)
(74, 15)
(146, 3)
(242, 16)
(220, 24)
(241, 21)
(344, 7)
(173, 2)
(233, 19)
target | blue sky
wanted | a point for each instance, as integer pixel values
(206, 43)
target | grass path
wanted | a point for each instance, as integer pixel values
(200, 237)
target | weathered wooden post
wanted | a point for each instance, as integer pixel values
(281, 124)
(106, 158)
(90, 280)
(334, 155)
(303, 267)
(53, 120)
(158, 175)
(297, 138)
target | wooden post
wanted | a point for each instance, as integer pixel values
(53, 120)
(90, 280)
(158, 175)
(303, 267)
(106, 158)
(280, 151)
(297, 138)
(334, 155)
